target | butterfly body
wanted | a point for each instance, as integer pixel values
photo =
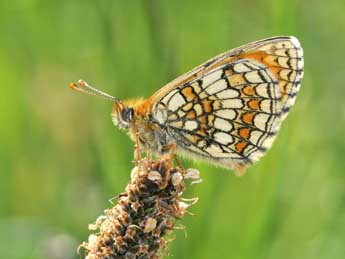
(226, 111)
(144, 128)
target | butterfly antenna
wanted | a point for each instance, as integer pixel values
(85, 88)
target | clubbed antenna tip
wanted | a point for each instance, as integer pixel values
(84, 87)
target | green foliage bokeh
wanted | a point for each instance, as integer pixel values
(61, 158)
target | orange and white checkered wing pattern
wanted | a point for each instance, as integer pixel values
(229, 109)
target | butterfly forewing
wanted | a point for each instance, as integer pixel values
(230, 108)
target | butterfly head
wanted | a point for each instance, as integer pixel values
(122, 115)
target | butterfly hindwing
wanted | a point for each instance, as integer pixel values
(229, 109)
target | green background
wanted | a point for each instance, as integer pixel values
(61, 158)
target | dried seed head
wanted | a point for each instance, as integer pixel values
(136, 227)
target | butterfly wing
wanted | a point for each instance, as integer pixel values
(229, 109)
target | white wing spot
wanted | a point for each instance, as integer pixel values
(167, 97)
(300, 64)
(265, 105)
(181, 113)
(295, 42)
(280, 52)
(216, 151)
(240, 68)
(262, 90)
(211, 77)
(176, 101)
(253, 77)
(195, 85)
(268, 142)
(254, 136)
(228, 93)
(177, 124)
(160, 115)
(283, 62)
(232, 103)
(284, 74)
(226, 114)
(223, 138)
(261, 120)
(222, 124)
(198, 109)
(191, 125)
(216, 87)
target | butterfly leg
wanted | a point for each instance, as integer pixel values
(170, 153)
(179, 164)
(168, 156)
(137, 148)
(170, 150)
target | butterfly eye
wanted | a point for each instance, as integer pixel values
(127, 115)
(122, 115)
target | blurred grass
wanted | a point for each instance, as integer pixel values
(61, 159)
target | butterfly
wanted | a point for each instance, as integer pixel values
(226, 111)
